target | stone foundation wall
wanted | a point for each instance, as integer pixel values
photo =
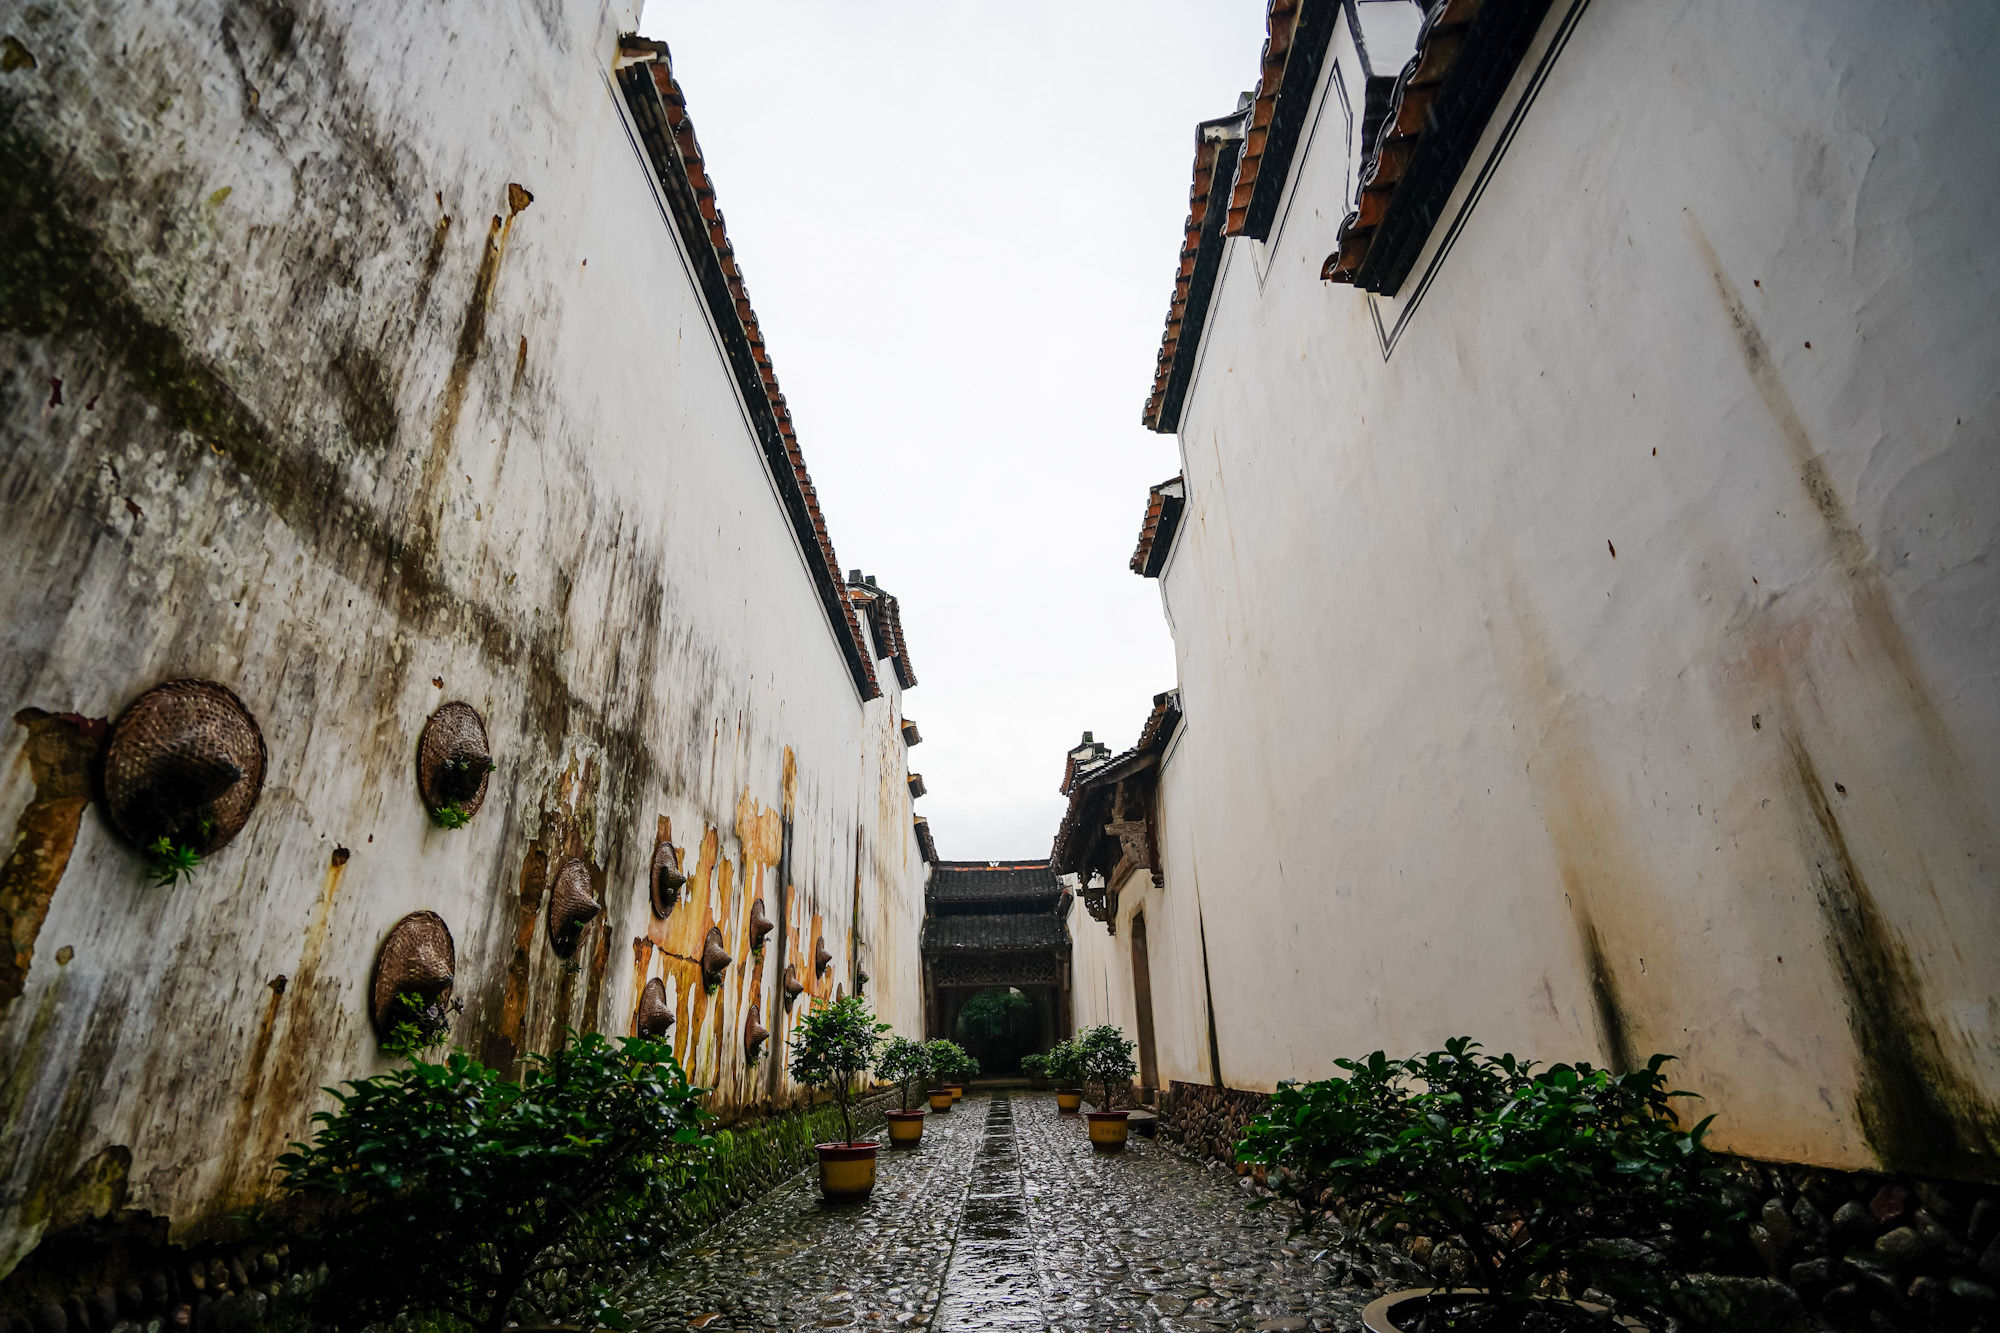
(1206, 1119)
(1820, 1251)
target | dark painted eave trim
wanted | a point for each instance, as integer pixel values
(1289, 113)
(1494, 45)
(1201, 283)
(1163, 534)
(649, 117)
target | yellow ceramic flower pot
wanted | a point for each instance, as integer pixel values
(1068, 1100)
(1108, 1130)
(940, 1100)
(846, 1171)
(906, 1128)
(956, 1091)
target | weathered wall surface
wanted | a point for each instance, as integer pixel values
(347, 358)
(1610, 666)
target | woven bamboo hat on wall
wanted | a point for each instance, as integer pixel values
(715, 959)
(185, 761)
(454, 760)
(656, 1011)
(572, 906)
(418, 959)
(665, 878)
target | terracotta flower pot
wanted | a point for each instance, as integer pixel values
(906, 1128)
(1397, 1312)
(846, 1171)
(1108, 1130)
(940, 1100)
(1069, 1100)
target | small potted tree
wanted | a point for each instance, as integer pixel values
(941, 1058)
(1066, 1068)
(905, 1062)
(1107, 1061)
(966, 1070)
(1570, 1177)
(951, 1066)
(833, 1045)
(1036, 1067)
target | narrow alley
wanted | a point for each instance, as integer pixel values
(1005, 1219)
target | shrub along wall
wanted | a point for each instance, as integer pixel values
(1822, 1250)
(129, 1278)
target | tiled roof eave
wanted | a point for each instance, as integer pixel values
(1216, 147)
(659, 114)
(1297, 34)
(1467, 53)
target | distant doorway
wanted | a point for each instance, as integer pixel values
(1142, 1000)
(997, 1027)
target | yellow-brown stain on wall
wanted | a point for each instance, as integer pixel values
(533, 1012)
(61, 751)
(286, 1086)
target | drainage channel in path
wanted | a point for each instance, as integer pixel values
(991, 1280)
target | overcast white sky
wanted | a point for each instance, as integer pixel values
(959, 224)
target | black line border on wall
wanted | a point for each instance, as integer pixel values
(1389, 336)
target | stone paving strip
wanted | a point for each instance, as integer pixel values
(1006, 1220)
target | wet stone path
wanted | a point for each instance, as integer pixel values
(1006, 1220)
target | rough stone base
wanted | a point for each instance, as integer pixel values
(1205, 1119)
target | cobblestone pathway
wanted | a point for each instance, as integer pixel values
(1005, 1220)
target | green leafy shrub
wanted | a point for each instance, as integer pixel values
(832, 1046)
(1569, 1176)
(904, 1062)
(1066, 1064)
(949, 1062)
(1036, 1067)
(1105, 1056)
(443, 1189)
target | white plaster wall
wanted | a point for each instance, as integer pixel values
(1452, 765)
(568, 525)
(1101, 960)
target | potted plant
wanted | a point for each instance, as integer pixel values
(905, 1062)
(1537, 1180)
(1036, 1067)
(834, 1044)
(1106, 1055)
(938, 1061)
(949, 1064)
(445, 1190)
(1066, 1068)
(968, 1069)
